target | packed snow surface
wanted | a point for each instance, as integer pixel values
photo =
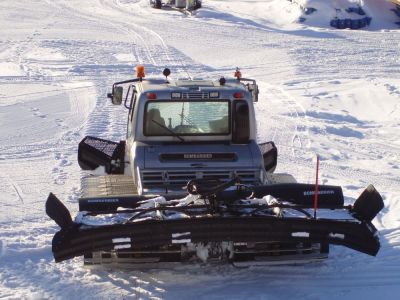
(323, 91)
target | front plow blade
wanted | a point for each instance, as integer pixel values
(236, 224)
(77, 241)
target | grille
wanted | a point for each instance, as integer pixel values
(180, 178)
(198, 95)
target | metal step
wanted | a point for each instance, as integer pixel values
(107, 185)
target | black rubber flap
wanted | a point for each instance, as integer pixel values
(56, 210)
(368, 205)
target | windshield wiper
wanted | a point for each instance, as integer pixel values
(169, 130)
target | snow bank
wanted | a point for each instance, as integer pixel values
(287, 13)
(256, 13)
(379, 10)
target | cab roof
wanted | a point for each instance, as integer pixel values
(188, 85)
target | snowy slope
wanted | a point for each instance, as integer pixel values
(331, 92)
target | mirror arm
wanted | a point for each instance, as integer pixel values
(126, 97)
(127, 81)
(110, 95)
(255, 90)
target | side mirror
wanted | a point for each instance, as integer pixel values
(253, 89)
(116, 95)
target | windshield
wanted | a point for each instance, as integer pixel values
(168, 118)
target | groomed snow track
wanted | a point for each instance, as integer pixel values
(58, 60)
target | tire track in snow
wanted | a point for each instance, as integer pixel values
(6, 179)
(79, 107)
(143, 54)
(156, 42)
(105, 120)
(289, 124)
(290, 132)
(19, 49)
(49, 162)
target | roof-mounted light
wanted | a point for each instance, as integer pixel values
(151, 96)
(238, 74)
(140, 71)
(166, 73)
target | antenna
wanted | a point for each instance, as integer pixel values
(316, 190)
(182, 114)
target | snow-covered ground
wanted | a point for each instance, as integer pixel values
(325, 91)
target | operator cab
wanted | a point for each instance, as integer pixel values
(189, 110)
